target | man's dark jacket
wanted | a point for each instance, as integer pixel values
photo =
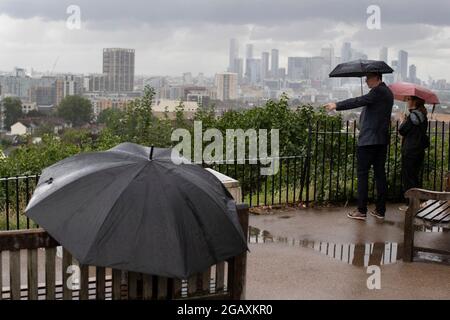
(375, 116)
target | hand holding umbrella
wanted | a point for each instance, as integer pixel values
(360, 68)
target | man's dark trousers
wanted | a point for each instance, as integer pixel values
(372, 155)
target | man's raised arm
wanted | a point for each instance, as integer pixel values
(358, 101)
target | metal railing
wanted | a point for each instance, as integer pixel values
(326, 170)
(323, 172)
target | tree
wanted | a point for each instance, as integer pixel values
(13, 111)
(138, 123)
(44, 128)
(110, 116)
(180, 120)
(35, 114)
(76, 109)
(77, 137)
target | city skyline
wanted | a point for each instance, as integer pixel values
(304, 78)
(245, 52)
(198, 41)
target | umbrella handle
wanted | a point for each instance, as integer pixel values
(151, 153)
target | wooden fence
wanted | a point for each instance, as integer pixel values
(32, 269)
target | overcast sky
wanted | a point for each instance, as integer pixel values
(175, 36)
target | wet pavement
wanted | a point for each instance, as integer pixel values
(318, 253)
(357, 254)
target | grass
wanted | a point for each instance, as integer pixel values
(23, 223)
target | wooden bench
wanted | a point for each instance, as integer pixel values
(46, 274)
(433, 213)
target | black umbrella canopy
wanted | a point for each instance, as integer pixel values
(121, 209)
(360, 68)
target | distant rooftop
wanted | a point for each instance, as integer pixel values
(117, 49)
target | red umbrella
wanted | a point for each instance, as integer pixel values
(403, 89)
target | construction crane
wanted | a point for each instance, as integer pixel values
(54, 65)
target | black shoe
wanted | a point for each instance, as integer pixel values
(376, 214)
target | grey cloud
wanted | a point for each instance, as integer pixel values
(156, 29)
(304, 30)
(394, 34)
(258, 12)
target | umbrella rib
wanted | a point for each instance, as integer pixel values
(201, 228)
(53, 194)
(128, 153)
(194, 185)
(196, 217)
(111, 207)
(214, 200)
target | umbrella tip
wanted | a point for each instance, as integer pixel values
(151, 153)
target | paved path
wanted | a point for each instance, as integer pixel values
(318, 253)
(294, 267)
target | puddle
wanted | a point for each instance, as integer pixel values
(425, 228)
(357, 254)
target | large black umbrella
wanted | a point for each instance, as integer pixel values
(133, 208)
(360, 68)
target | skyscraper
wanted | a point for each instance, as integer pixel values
(413, 73)
(328, 55)
(319, 69)
(281, 74)
(403, 65)
(234, 54)
(118, 65)
(264, 65)
(274, 64)
(384, 54)
(43, 96)
(97, 82)
(396, 74)
(69, 85)
(346, 52)
(249, 51)
(187, 78)
(248, 57)
(239, 69)
(254, 71)
(299, 68)
(227, 86)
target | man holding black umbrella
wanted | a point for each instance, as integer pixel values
(372, 142)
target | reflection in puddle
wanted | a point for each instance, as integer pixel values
(434, 229)
(360, 254)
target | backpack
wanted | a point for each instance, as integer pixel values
(418, 120)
